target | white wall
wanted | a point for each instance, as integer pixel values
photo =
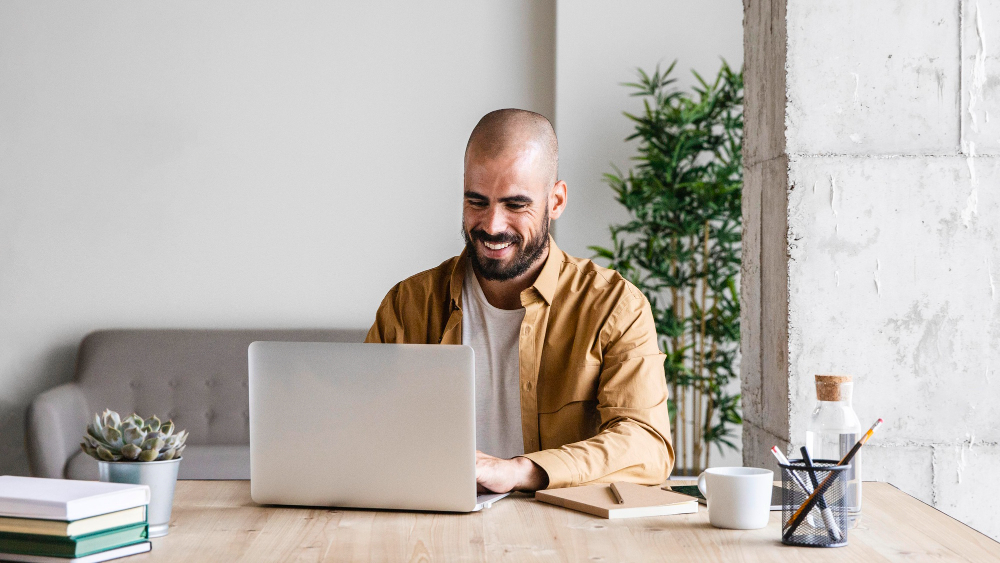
(599, 45)
(257, 164)
(234, 164)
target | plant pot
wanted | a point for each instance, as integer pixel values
(160, 476)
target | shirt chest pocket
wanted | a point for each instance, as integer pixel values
(558, 388)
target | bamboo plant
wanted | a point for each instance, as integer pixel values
(681, 247)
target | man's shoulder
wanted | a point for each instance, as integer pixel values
(582, 274)
(434, 281)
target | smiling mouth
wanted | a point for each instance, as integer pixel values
(499, 246)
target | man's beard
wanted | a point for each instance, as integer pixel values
(496, 270)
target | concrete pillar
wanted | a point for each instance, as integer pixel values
(871, 214)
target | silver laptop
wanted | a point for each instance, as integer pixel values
(364, 425)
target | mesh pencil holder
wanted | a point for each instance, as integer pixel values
(810, 520)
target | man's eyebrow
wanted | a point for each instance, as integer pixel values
(510, 199)
(517, 199)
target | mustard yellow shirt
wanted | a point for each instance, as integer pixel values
(593, 392)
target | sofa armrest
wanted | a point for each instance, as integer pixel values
(55, 424)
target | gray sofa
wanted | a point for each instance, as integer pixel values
(198, 378)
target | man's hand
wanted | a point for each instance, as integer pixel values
(495, 475)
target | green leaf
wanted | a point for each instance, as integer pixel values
(153, 444)
(95, 432)
(112, 436)
(91, 451)
(600, 252)
(96, 428)
(110, 418)
(131, 451)
(686, 179)
(134, 435)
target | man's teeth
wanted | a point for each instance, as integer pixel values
(492, 246)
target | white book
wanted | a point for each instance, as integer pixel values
(92, 558)
(66, 499)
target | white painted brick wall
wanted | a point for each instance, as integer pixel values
(965, 484)
(893, 140)
(886, 282)
(981, 76)
(872, 77)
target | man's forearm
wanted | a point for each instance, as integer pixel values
(629, 450)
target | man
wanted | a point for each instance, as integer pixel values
(570, 384)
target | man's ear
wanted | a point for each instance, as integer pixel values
(557, 200)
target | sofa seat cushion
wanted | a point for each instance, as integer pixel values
(200, 462)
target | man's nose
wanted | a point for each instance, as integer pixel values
(496, 222)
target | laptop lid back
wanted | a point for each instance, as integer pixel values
(362, 425)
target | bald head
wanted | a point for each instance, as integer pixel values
(511, 196)
(507, 131)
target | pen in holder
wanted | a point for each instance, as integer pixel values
(826, 524)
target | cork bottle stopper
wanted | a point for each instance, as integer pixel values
(828, 386)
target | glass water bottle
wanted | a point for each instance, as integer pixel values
(833, 431)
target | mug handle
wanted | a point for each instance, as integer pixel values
(703, 485)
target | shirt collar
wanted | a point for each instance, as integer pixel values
(458, 278)
(545, 283)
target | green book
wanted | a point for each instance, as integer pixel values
(74, 546)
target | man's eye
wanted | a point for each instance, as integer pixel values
(476, 203)
(516, 206)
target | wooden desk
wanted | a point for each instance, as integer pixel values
(216, 521)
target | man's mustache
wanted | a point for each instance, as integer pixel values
(499, 238)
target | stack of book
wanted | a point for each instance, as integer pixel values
(64, 521)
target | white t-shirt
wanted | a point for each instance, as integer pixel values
(493, 335)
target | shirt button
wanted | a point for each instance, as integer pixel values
(526, 330)
(527, 386)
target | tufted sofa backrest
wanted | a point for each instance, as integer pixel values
(197, 378)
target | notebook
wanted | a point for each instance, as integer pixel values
(640, 500)
(65, 499)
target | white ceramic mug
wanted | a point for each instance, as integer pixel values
(738, 497)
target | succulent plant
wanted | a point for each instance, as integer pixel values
(109, 438)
